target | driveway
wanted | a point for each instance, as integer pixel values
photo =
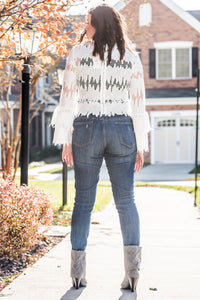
(165, 172)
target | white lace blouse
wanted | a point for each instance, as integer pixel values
(92, 87)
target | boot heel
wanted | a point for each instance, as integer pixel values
(132, 258)
(132, 283)
(76, 283)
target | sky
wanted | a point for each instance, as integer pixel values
(188, 4)
(87, 4)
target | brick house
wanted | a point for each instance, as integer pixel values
(168, 39)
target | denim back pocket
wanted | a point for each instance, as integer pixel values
(126, 133)
(82, 134)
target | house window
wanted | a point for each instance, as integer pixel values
(34, 133)
(173, 60)
(166, 123)
(164, 63)
(174, 63)
(187, 122)
(47, 79)
(182, 63)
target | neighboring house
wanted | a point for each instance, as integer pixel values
(169, 43)
(40, 133)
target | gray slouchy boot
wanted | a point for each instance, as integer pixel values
(132, 258)
(78, 268)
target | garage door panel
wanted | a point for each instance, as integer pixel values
(187, 139)
(160, 139)
(171, 142)
(184, 143)
(165, 139)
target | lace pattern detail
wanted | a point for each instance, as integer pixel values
(91, 87)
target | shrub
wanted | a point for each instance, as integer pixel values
(23, 210)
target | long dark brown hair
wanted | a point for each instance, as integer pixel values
(110, 30)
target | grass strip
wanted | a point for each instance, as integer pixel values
(54, 188)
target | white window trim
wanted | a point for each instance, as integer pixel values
(173, 45)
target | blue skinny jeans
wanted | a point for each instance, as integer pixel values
(112, 138)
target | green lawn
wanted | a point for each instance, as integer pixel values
(54, 188)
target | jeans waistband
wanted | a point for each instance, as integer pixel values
(104, 117)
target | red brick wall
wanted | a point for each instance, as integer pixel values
(165, 26)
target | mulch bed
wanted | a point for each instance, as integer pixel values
(10, 269)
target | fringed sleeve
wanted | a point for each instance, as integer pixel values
(140, 117)
(64, 113)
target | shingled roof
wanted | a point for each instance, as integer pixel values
(171, 93)
(195, 14)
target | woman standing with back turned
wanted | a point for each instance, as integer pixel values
(101, 114)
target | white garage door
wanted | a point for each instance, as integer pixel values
(175, 140)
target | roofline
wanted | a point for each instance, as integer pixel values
(121, 4)
(187, 17)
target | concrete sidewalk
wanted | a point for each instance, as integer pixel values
(170, 237)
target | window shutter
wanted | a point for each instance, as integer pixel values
(194, 61)
(152, 63)
(145, 14)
